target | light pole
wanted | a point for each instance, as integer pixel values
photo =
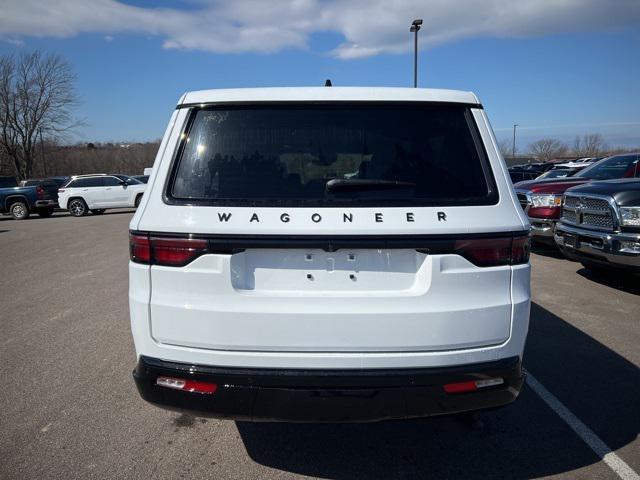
(415, 28)
(513, 151)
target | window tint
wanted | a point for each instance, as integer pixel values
(112, 182)
(87, 182)
(8, 182)
(619, 166)
(42, 183)
(128, 179)
(278, 155)
(60, 181)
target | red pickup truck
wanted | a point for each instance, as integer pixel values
(542, 199)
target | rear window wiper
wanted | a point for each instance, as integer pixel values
(360, 184)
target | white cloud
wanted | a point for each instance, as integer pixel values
(369, 27)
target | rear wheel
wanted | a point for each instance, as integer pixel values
(19, 210)
(597, 268)
(138, 200)
(45, 211)
(98, 211)
(77, 207)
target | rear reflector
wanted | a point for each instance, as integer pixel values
(472, 386)
(187, 385)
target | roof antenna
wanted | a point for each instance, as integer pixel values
(327, 83)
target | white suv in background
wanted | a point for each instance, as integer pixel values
(96, 193)
(329, 254)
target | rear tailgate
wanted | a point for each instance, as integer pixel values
(50, 190)
(311, 299)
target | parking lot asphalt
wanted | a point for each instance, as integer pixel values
(69, 408)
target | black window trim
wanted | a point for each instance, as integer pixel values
(492, 197)
(254, 103)
(72, 181)
(118, 179)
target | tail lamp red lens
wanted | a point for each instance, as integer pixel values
(40, 191)
(520, 250)
(187, 385)
(139, 248)
(171, 252)
(180, 251)
(492, 252)
(176, 252)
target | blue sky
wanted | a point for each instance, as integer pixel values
(575, 78)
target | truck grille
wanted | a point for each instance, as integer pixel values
(588, 212)
(522, 198)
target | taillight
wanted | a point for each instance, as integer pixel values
(171, 252)
(492, 252)
(139, 248)
(176, 252)
(520, 250)
(40, 191)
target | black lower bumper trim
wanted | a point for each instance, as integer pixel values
(328, 395)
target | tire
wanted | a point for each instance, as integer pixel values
(598, 269)
(138, 200)
(77, 207)
(612, 272)
(19, 210)
(98, 211)
(45, 212)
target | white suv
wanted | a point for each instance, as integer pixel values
(96, 193)
(329, 254)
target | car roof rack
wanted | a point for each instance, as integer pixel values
(90, 175)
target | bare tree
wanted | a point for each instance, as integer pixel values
(589, 145)
(36, 99)
(505, 147)
(547, 148)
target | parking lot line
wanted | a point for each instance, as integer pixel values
(587, 435)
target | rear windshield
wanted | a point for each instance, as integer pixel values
(288, 155)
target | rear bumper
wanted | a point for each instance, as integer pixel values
(328, 395)
(46, 203)
(603, 248)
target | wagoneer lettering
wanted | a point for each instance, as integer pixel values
(377, 217)
(329, 254)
